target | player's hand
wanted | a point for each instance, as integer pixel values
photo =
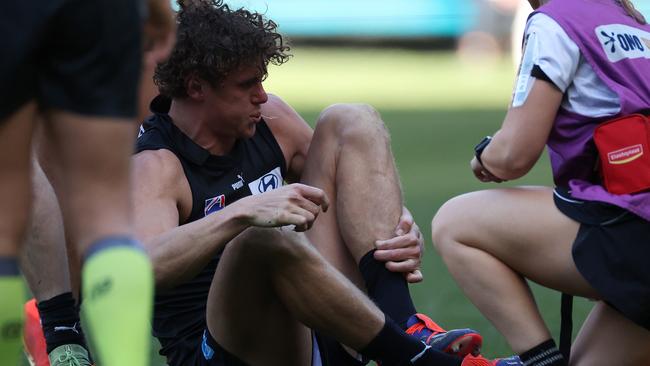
(403, 252)
(295, 204)
(483, 174)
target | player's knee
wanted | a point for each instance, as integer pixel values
(353, 123)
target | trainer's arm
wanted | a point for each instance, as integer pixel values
(292, 133)
(516, 147)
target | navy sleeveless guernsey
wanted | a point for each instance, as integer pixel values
(255, 165)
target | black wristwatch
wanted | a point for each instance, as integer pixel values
(478, 149)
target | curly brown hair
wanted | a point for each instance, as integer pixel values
(213, 40)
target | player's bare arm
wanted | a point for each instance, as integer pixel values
(162, 200)
(292, 133)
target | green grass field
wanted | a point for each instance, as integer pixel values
(436, 108)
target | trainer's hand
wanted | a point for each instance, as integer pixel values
(483, 174)
(294, 204)
(403, 252)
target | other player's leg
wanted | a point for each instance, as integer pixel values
(89, 95)
(52, 325)
(93, 158)
(15, 195)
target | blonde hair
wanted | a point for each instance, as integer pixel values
(630, 9)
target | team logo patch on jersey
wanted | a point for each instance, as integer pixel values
(625, 155)
(621, 41)
(267, 182)
(214, 204)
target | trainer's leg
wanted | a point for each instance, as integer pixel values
(351, 160)
(608, 338)
(271, 281)
(491, 240)
(92, 159)
(15, 193)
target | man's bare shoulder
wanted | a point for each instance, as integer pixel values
(160, 163)
(160, 173)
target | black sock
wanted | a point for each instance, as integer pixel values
(546, 354)
(60, 322)
(392, 346)
(389, 290)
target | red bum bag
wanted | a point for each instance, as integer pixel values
(624, 150)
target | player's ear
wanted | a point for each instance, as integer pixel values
(195, 87)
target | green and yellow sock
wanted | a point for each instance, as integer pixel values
(117, 285)
(12, 296)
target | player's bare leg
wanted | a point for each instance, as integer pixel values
(92, 160)
(267, 282)
(272, 281)
(15, 195)
(351, 160)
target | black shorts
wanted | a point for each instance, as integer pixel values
(81, 56)
(326, 352)
(611, 251)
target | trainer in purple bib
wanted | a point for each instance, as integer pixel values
(618, 50)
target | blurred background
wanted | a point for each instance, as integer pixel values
(440, 73)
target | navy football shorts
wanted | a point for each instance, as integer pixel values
(78, 56)
(325, 352)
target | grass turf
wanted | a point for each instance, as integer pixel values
(436, 108)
